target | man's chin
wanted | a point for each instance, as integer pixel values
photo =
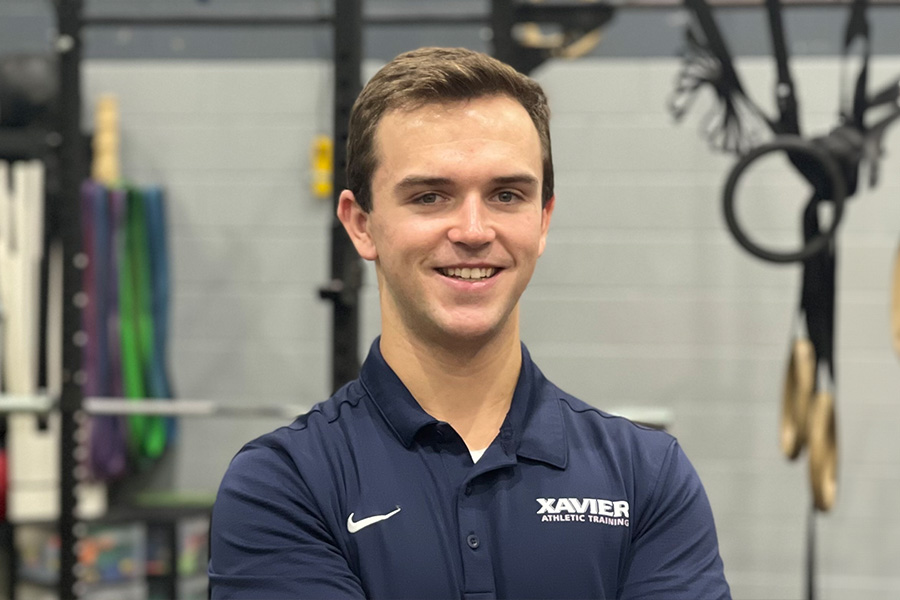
(471, 331)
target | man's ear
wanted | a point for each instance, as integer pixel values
(356, 222)
(546, 213)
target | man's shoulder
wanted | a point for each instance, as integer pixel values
(642, 456)
(325, 424)
(339, 406)
(584, 415)
(630, 448)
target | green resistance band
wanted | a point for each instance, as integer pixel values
(155, 437)
(147, 434)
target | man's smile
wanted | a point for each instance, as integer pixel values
(469, 273)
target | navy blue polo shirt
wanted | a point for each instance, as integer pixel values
(368, 496)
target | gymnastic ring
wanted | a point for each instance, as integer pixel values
(895, 304)
(797, 144)
(822, 439)
(799, 381)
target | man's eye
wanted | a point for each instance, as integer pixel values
(506, 197)
(427, 199)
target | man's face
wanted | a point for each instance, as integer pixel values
(456, 225)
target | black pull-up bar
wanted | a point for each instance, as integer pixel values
(273, 20)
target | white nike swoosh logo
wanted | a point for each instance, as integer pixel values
(354, 526)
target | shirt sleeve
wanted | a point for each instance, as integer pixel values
(268, 538)
(675, 552)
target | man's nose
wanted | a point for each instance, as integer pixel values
(474, 226)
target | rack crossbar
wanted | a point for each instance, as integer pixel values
(26, 403)
(188, 408)
(256, 20)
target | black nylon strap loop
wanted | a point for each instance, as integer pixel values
(788, 121)
(858, 27)
(716, 43)
(818, 293)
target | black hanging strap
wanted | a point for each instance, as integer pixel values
(788, 121)
(858, 28)
(716, 43)
(817, 303)
(817, 296)
(736, 127)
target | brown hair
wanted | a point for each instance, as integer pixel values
(429, 75)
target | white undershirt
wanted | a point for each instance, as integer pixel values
(476, 454)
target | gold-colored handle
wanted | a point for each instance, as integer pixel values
(322, 167)
(105, 168)
(799, 382)
(822, 437)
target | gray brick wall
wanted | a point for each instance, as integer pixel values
(641, 298)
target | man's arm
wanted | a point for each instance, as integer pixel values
(675, 552)
(267, 537)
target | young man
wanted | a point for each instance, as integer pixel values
(452, 468)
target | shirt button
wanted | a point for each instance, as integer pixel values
(469, 490)
(473, 541)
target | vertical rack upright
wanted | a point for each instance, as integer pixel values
(72, 167)
(346, 267)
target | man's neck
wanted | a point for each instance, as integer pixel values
(469, 387)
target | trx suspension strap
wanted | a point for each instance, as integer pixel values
(818, 304)
(785, 95)
(819, 286)
(831, 164)
(708, 62)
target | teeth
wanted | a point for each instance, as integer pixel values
(469, 274)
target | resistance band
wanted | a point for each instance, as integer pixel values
(108, 456)
(117, 210)
(160, 384)
(126, 318)
(147, 433)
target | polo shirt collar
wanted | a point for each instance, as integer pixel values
(534, 423)
(398, 407)
(533, 428)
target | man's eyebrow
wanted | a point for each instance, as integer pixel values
(523, 178)
(419, 181)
